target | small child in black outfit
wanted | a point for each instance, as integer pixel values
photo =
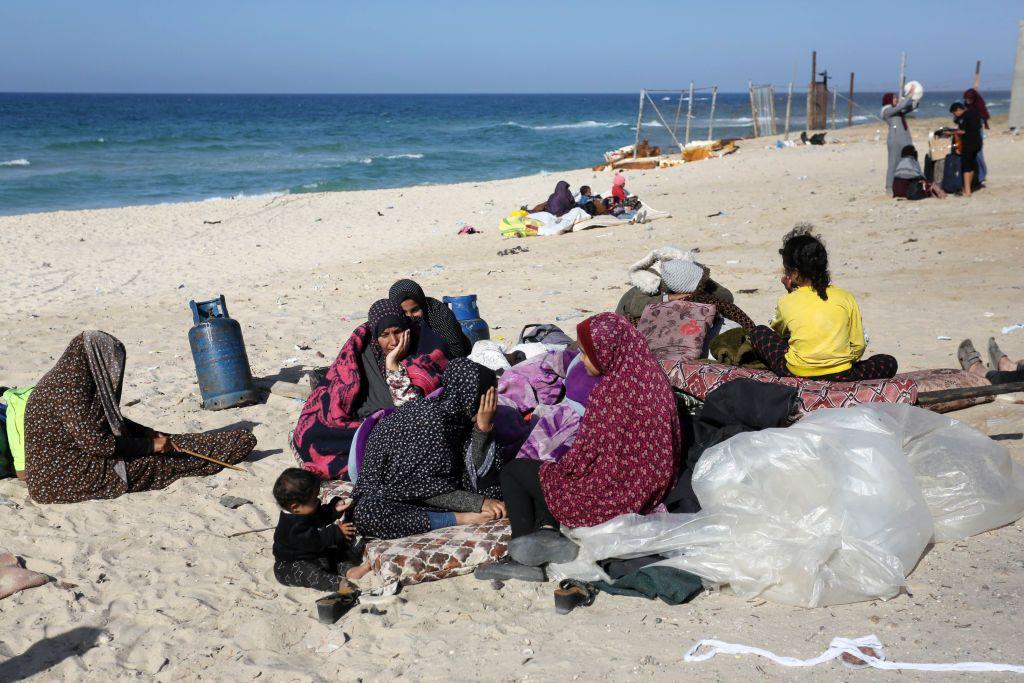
(312, 539)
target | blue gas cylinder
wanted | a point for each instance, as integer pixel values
(218, 350)
(468, 315)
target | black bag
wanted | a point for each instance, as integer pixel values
(916, 190)
(952, 181)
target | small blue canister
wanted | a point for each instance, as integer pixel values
(218, 350)
(468, 315)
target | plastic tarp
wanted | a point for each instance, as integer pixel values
(837, 508)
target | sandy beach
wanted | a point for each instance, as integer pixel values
(150, 586)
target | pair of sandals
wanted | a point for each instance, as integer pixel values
(968, 355)
(513, 251)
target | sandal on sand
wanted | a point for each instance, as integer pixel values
(995, 354)
(967, 355)
(332, 607)
(541, 547)
(571, 594)
(506, 568)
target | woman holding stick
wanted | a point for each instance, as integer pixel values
(78, 445)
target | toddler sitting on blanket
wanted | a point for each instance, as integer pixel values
(313, 541)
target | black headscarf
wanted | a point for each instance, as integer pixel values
(416, 452)
(437, 316)
(561, 201)
(384, 314)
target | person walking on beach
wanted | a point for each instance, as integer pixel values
(893, 113)
(976, 103)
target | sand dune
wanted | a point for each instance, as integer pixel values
(149, 585)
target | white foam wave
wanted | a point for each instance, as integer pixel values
(16, 162)
(563, 126)
(366, 160)
(242, 195)
(404, 156)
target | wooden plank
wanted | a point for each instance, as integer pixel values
(928, 398)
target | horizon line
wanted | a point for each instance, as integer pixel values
(413, 94)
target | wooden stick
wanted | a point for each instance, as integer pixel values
(207, 458)
(251, 531)
(928, 398)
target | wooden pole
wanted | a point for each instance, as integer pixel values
(689, 114)
(903, 74)
(977, 74)
(849, 107)
(711, 119)
(789, 107)
(771, 108)
(207, 458)
(927, 398)
(639, 120)
(835, 98)
(810, 90)
(753, 109)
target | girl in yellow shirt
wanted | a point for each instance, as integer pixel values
(817, 330)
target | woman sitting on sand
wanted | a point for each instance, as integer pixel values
(78, 445)
(375, 370)
(559, 203)
(432, 463)
(908, 175)
(625, 457)
(817, 330)
(437, 316)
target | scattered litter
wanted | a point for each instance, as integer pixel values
(943, 337)
(7, 502)
(717, 213)
(748, 291)
(858, 652)
(989, 314)
(1011, 328)
(732, 262)
(234, 502)
(470, 230)
(575, 313)
(302, 346)
(289, 361)
(513, 250)
(437, 266)
(211, 222)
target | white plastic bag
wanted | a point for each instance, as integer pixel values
(824, 512)
(970, 482)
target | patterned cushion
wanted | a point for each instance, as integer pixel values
(438, 554)
(948, 378)
(700, 379)
(675, 330)
(336, 487)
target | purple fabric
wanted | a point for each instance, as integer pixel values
(554, 430)
(561, 201)
(579, 383)
(537, 381)
(510, 430)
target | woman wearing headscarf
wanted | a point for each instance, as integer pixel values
(894, 114)
(976, 103)
(432, 463)
(384, 364)
(559, 203)
(438, 317)
(625, 458)
(78, 445)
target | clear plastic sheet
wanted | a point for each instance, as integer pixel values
(836, 508)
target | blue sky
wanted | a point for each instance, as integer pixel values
(313, 46)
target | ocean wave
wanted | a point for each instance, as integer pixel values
(242, 195)
(404, 156)
(77, 144)
(16, 162)
(564, 126)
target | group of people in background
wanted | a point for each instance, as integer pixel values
(904, 176)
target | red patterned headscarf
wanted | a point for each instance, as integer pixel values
(626, 455)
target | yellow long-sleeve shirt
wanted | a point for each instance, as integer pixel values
(825, 337)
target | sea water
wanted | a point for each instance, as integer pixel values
(73, 151)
